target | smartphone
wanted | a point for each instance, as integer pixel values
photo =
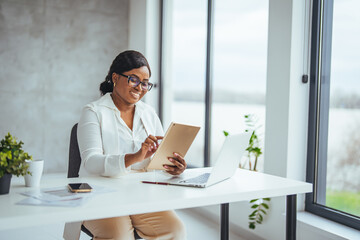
(79, 187)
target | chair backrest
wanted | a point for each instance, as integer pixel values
(74, 154)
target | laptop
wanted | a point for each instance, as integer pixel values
(225, 167)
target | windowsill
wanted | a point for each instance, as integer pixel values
(320, 224)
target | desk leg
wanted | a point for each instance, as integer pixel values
(291, 217)
(224, 221)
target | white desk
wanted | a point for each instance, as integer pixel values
(134, 197)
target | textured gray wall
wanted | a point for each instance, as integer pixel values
(53, 56)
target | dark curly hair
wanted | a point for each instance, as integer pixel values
(124, 62)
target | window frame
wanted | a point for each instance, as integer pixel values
(319, 98)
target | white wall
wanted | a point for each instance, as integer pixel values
(286, 103)
(144, 36)
(53, 56)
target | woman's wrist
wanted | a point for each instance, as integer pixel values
(132, 158)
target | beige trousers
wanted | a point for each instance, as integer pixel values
(158, 225)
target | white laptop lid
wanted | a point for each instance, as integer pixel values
(229, 157)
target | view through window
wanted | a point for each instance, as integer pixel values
(239, 84)
(343, 163)
(187, 60)
(334, 112)
(239, 68)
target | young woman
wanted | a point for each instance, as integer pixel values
(117, 134)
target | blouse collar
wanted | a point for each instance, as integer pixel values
(107, 101)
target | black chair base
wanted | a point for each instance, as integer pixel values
(85, 230)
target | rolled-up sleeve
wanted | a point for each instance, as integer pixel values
(94, 160)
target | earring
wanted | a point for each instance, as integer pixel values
(114, 84)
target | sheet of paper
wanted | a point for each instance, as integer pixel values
(52, 194)
(60, 196)
(61, 203)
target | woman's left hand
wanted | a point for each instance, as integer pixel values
(178, 167)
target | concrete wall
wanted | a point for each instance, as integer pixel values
(53, 56)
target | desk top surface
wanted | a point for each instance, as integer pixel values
(133, 197)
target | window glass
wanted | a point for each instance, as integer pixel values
(184, 91)
(239, 74)
(343, 162)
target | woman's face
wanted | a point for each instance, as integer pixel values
(125, 93)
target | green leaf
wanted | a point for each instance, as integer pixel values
(253, 213)
(12, 156)
(254, 151)
(226, 133)
(251, 225)
(257, 150)
(265, 205)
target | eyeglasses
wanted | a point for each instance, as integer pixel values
(134, 82)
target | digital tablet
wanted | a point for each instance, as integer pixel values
(178, 138)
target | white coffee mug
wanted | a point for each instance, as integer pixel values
(36, 168)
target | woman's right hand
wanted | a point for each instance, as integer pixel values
(149, 146)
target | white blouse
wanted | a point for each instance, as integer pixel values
(104, 138)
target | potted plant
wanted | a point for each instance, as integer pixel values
(259, 206)
(12, 161)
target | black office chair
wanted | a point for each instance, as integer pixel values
(74, 167)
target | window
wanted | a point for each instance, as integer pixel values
(184, 61)
(334, 112)
(214, 68)
(239, 82)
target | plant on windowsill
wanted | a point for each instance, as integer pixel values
(259, 206)
(12, 161)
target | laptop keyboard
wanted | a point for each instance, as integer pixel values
(199, 179)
